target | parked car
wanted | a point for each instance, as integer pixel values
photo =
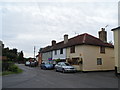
(64, 67)
(32, 64)
(27, 63)
(46, 65)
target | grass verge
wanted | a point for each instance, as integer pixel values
(14, 70)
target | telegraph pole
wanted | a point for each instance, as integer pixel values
(34, 52)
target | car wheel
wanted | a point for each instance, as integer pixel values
(44, 68)
(63, 71)
(41, 67)
(56, 70)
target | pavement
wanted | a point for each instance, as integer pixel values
(34, 77)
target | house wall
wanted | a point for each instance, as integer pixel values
(117, 48)
(46, 55)
(59, 56)
(79, 52)
(89, 55)
(39, 58)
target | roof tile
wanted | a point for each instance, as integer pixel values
(85, 38)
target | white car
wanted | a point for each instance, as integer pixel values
(64, 67)
(27, 63)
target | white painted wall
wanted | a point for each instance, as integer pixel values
(59, 56)
(46, 55)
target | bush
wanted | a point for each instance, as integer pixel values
(6, 65)
(13, 68)
(57, 60)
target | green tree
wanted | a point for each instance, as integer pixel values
(20, 57)
(11, 54)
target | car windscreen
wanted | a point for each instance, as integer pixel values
(65, 64)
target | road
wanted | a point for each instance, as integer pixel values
(34, 77)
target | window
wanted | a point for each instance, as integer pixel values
(61, 51)
(72, 49)
(55, 52)
(102, 49)
(99, 61)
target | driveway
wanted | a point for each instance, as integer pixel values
(34, 77)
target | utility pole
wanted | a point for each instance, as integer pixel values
(34, 52)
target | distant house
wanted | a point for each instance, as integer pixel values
(85, 52)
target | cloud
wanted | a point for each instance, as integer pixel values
(26, 25)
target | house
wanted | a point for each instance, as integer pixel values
(85, 52)
(39, 56)
(59, 49)
(88, 53)
(46, 54)
(117, 49)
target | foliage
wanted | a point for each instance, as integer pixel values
(57, 60)
(20, 57)
(10, 72)
(6, 65)
(12, 68)
(11, 54)
(7, 72)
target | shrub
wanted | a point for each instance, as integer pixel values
(13, 68)
(6, 65)
(57, 60)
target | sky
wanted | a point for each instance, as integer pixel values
(28, 23)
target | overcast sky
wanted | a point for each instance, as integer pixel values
(24, 24)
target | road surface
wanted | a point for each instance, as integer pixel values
(34, 77)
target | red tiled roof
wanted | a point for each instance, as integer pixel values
(85, 39)
(46, 49)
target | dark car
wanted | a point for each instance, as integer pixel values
(33, 63)
(46, 65)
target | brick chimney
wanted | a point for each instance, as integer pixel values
(65, 38)
(103, 35)
(53, 42)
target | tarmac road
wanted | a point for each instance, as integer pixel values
(34, 77)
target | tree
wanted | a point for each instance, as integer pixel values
(20, 57)
(11, 54)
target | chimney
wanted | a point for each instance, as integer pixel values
(53, 42)
(103, 35)
(65, 38)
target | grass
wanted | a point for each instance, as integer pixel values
(14, 70)
(10, 72)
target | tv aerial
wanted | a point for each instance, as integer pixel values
(106, 26)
